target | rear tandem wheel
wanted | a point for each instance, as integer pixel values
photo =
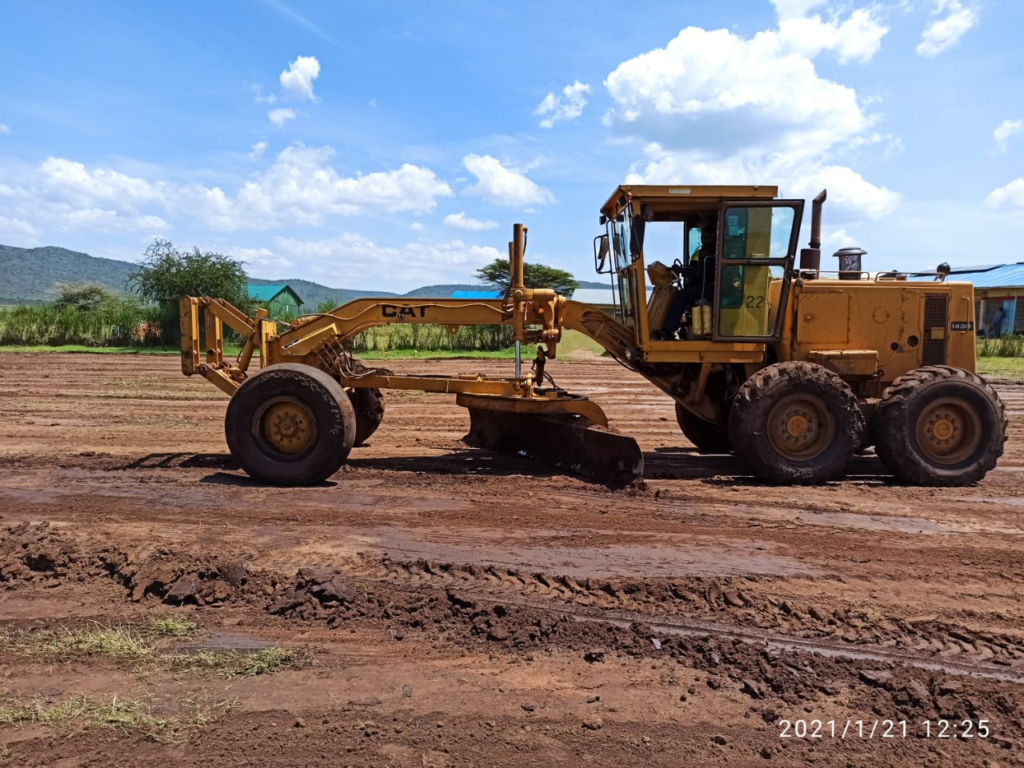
(290, 425)
(940, 426)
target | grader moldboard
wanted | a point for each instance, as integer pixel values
(793, 368)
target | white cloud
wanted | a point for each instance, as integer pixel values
(858, 38)
(74, 182)
(1004, 132)
(796, 177)
(281, 116)
(713, 107)
(300, 187)
(261, 262)
(503, 185)
(5, 128)
(257, 150)
(416, 226)
(18, 232)
(833, 240)
(461, 221)
(943, 33)
(554, 109)
(297, 80)
(1010, 196)
(369, 264)
(794, 8)
(110, 221)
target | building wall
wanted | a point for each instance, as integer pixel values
(1012, 302)
(284, 305)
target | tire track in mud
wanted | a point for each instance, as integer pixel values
(695, 606)
(490, 609)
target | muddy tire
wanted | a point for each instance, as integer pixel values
(796, 423)
(707, 437)
(940, 426)
(368, 403)
(290, 425)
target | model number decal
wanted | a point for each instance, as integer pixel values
(960, 325)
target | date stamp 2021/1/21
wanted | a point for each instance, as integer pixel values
(884, 729)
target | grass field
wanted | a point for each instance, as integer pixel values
(1007, 368)
(573, 344)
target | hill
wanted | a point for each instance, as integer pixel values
(312, 294)
(31, 276)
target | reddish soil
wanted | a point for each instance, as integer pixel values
(466, 608)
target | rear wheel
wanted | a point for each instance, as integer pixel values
(796, 423)
(707, 437)
(940, 426)
(290, 425)
(368, 403)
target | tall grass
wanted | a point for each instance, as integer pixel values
(120, 322)
(1004, 346)
(433, 338)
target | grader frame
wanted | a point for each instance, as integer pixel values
(790, 376)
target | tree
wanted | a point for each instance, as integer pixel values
(83, 297)
(166, 274)
(534, 276)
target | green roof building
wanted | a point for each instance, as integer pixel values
(279, 299)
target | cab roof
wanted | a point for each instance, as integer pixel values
(682, 197)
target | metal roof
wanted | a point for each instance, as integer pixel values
(477, 294)
(269, 292)
(998, 276)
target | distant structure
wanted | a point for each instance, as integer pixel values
(482, 294)
(280, 299)
(996, 286)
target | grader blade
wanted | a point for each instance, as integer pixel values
(567, 432)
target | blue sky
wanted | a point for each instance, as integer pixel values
(391, 145)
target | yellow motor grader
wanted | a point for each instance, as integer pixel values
(793, 368)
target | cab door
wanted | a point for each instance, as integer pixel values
(757, 243)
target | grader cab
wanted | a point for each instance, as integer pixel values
(791, 367)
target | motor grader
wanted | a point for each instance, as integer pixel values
(793, 368)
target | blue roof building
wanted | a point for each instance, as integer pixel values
(998, 296)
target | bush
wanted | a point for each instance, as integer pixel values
(84, 297)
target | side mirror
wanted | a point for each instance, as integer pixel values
(601, 252)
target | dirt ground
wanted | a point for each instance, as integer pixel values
(457, 607)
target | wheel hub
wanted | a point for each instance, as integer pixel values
(800, 427)
(797, 426)
(285, 426)
(948, 430)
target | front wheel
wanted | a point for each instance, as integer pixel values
(706, 437)
(290, 425)
(796, 423)
(940, 426)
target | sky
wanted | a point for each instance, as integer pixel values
(388, 145)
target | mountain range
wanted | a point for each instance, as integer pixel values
(32, 276)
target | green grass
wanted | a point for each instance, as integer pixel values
(126, 715)
(173, 626)
(229, 351)
(122, 642)
(1010, 368)
(146, 647)
(231, 664)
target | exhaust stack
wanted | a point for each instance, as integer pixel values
(810, 258)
